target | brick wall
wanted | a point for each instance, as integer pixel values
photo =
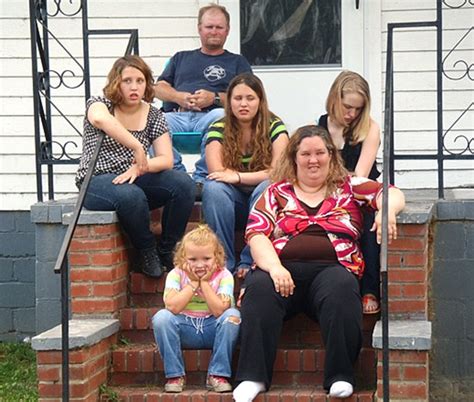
(99, 270)
(17, 276)
(88, 370)
(408, 272)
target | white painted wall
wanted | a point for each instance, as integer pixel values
(166, 26)
(415, 90)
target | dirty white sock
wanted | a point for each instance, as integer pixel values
(341, 389)
(246, 391)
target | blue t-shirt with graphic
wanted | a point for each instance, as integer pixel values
(190, 70)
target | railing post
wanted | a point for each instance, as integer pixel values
(36, 100)
(387, 160)
(65, 328)
(439, 95)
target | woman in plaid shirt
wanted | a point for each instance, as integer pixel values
(124, 179)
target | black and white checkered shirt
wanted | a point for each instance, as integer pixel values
(113, 156)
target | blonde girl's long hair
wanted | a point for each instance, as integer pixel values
(350, 82)
(200, 236)
(286, 168)
(260, 144)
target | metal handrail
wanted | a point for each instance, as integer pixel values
(42, 119)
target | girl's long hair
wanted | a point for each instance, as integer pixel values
(286, 168)
(260, 143)
(350, 82)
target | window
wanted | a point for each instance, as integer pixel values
(291, 32)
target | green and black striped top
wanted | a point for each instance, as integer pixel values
(216, 133)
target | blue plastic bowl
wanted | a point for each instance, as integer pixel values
(187, 142)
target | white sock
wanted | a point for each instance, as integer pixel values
(341, 389)
(246, 391)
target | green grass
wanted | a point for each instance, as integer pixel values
(17, 373)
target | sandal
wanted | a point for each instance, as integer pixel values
(370, 304)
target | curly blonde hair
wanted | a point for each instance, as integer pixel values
(112, 88)
(200, 236)
(286, 168)
(260, 144)
(350, 82)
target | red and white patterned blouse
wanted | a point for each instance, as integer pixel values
(279, 215)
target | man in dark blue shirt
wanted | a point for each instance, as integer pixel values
(193, 84)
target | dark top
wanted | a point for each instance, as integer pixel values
(312, 244)
(191, 70)
(350, 152)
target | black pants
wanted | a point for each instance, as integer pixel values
(327, 294)
(370, 282)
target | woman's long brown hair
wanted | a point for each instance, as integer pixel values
(260, 144)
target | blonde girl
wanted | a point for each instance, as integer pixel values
(357, 136)
(199, 311)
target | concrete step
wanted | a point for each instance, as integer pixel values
(141, 364)
(195, 394)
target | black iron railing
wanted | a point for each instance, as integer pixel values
(443, 151)
(43, 104)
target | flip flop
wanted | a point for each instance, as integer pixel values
(366, 301)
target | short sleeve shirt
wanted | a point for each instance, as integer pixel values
(115, 157)
(216, 133)
(222, 282)
(191, 70)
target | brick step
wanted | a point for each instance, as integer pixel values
(141, 364)
(195, 394)
(298, 332)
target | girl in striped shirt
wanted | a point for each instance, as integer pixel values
(199, 313)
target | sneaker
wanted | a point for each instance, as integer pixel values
(150, 262)
(175, 384)
(216, 383)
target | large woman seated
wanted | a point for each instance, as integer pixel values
(303, 234)
(241, 150)
(124, 180)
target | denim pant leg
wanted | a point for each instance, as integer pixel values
(202, 125)
(246, 259)
(129, 201)
(221, 203)
(226, 335)
(176, 192)
(173, 332)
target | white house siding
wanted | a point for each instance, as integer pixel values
(166, 26)
(415, 119)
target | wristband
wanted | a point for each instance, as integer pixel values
(238, 175)
(217, 99)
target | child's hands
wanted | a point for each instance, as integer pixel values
(207, 274)
(193, 277)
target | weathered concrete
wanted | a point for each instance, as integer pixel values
(81, 333)
(404, 335)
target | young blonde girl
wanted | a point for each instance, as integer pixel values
(199, 311)
(357, 136)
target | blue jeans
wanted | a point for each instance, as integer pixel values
(226, 209)
(173, 332)
(192, 121)
(172, 189)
